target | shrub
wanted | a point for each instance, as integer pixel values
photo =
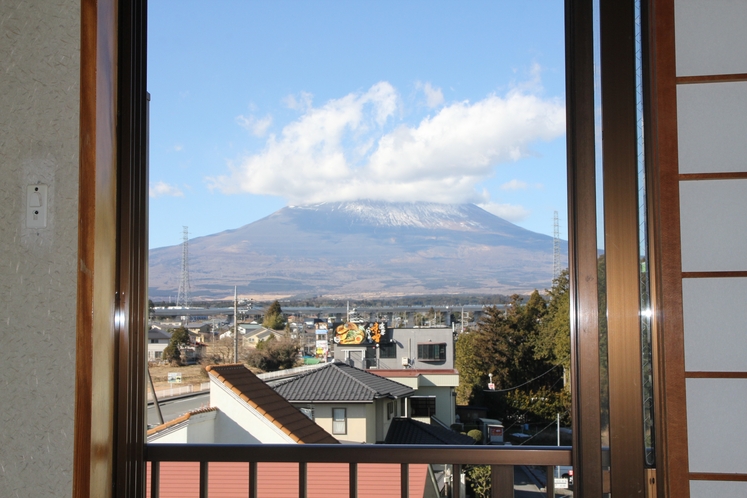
(476, 434)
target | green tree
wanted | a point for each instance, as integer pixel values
(479, 478)
(470, 374)
(179, 339)
(554, 340)
(507, 342)
(504, 344)
(274, 317)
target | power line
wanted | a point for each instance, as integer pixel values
(524, 384)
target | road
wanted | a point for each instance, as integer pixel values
(174, 407)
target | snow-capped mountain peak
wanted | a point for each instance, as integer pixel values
(428, 215)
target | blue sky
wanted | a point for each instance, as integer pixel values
(259, 104)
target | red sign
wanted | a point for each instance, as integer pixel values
(495, 430)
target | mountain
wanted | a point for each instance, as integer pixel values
(361, 248)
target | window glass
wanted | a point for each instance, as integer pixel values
(339, 421)
(423, 406)
(388, 351)
(432, 352)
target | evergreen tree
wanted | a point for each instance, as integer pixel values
(274, 317)
(505, 344)
(173, 352)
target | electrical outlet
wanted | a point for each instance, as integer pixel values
(36, 206)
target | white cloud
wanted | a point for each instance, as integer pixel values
(178, 147)
(257, 127)
(434, 97)
(302, 102)
(161, 189)
(510, 212)
(351, 148)
(515, 185)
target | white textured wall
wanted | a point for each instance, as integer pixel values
(238, 423)
(39, 100)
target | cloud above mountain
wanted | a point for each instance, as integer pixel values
(358, 146)
(163, 189)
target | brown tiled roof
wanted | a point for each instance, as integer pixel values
(266, 401)
(179, 420)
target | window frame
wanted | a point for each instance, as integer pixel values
(430, 400)
(388, 347)
(437, 348)
(344, 421)
(111, 327)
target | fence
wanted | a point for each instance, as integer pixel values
(177, 391)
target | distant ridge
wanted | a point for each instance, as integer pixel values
(362, 248)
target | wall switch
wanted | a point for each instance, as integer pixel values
(36, 206)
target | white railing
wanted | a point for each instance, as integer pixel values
(289, 372)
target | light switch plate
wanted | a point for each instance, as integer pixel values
(36, 206)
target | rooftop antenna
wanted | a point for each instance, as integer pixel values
(556, 248)
(183, 297)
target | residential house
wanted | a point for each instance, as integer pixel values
(421, 358)
(72, 89)
(243, 410)
(157, 342)
(353, 405)
(251, 335)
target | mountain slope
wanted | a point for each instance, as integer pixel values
(362, 248)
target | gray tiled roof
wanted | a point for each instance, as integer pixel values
(157, 334)
(409, 431)
(340, 382)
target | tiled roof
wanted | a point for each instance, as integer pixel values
(179, 420)
(409, 431)
(266, 401)
(154, 333)
(340, 382)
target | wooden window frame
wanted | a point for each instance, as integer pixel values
(112, 310)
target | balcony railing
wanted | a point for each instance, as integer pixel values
(502, 459)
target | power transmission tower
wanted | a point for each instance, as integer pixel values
(556, 248)
(184, 288)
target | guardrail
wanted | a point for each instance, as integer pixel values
(502, 459)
